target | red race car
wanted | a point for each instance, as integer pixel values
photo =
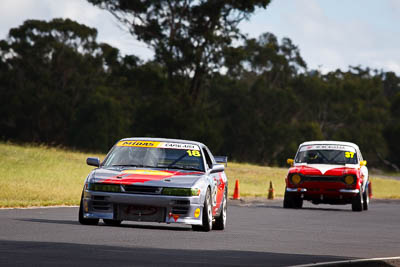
(328, 172)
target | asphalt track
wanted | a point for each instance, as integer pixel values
(258, 234)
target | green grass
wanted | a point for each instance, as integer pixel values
(43, 176)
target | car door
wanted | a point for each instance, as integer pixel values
(218, 180)
(363, 169)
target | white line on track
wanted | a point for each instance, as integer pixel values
(346, 262)
(40, 207)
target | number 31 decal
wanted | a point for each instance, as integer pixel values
(348, 154)
(193, 153)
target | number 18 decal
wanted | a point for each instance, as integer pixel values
(193, 153)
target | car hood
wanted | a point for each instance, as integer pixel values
(148, 177)
(323, 169)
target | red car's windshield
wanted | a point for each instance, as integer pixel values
(330, 156)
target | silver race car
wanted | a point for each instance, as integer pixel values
(156, 180)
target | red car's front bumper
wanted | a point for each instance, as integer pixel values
(325, 192)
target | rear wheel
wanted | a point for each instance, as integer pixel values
(357, 203)
(366, 198)
(83, 220)
(207, 215)
(112, 222)
(220, 221)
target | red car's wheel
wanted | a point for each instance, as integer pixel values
(366, 198)
(357, 203)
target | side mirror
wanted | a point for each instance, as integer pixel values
(222, 160)
(217, 168)
(363, 163)
(93, 162)
(290, 162)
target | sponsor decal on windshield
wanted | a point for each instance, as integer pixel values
(148, 172)
(178, 146)
(328, 147)
(137, 143)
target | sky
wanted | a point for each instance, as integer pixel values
(330, 34)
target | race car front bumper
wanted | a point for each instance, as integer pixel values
(302, 190)
(142, 207)
(324, 194)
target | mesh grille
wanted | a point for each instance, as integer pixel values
(135, 189)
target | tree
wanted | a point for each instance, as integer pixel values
(187, 36)
(51, 71)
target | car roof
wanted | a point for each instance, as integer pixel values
(156, 139)
(329, 143)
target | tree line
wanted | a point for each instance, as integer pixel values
(253, 100)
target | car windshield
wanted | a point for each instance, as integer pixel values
(155, 155)
(341, 156)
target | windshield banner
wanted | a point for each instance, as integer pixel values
(327, 147)
(137, 143)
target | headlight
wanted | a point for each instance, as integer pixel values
(296, 179)
(186, 192)
(104, 187)
(349, 179)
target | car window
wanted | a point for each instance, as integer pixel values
(156, 155)
(311, 155)
(207, 158)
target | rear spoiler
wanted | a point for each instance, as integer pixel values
(222, 159)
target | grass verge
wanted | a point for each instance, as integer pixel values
(44, 176)
(40, 176)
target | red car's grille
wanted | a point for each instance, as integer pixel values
(322, 179)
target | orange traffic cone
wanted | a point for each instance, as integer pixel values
(271, 194)
(236, 194)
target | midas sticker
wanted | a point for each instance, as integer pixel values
(138, 143)
(197, 213)
(147, 172)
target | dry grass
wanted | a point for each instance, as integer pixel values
(254, 180)
(40, 176)
(385, 188)
(43, 176)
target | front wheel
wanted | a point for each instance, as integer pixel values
(357, 202)
(220, 221)
(207, 215)
(366, 198)
(83, 220)
(292, 201)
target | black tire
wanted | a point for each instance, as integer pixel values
(292, 201)
(112, 222)
(85, 221)
(298, 203)
(207, 215)
(357, 202)
(220, 221)
(287, 201)
(366, 198)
